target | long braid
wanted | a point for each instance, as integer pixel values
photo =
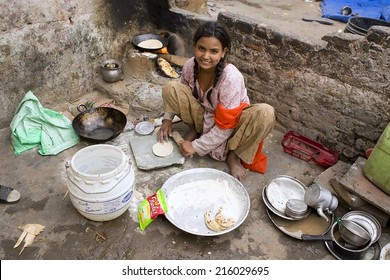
(196, 71)
(218, 73)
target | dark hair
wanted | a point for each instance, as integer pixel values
(211, 29)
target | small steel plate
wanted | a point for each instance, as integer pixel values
(369, 222)
(279, 190)
(144, 128)
(190, 193)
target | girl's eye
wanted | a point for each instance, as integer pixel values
(214, 51)
(201, 49)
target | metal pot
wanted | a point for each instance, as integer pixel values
(111, 70)
(339, 244)
(99, 124)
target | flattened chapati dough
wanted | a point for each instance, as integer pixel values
(162, 149)
(150, 44)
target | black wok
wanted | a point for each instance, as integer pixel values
(143, 37)
(99, 124)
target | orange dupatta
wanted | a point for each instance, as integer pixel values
(229, 118)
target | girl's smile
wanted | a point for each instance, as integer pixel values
(208, 52)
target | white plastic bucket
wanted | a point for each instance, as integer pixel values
(100, 182)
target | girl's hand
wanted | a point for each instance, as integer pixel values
(165, 131)
(186, 148)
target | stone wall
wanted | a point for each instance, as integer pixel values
(54, 47)
(338, 94)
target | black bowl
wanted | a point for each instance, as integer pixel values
(362, 24)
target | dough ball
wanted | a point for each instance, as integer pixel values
(163, 149)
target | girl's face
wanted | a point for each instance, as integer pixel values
(208, 52)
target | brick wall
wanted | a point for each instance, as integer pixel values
(337, 95)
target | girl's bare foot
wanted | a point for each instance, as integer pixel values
(191, 134)
(236, 168)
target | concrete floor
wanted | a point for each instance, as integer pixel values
(42, 182)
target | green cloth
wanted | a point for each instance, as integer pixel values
(34, 126)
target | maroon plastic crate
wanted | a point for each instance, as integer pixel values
(308, 150)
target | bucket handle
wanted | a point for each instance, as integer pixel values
(120, 175)
(105, 181)
(89, 182)
(67, 172)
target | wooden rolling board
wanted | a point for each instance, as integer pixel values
(144, 157)
(355, 181)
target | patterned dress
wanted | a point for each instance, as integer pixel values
(230, 91)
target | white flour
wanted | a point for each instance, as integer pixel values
(188, 203)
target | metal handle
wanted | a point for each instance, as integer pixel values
(310, 237)
(81, 108)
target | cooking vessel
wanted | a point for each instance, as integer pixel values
(111, 70)
(321, 199)
(143, 37)
(99, 124)
(353, 233)
(296, 208)
(339, 244)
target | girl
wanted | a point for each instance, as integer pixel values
(211, 98)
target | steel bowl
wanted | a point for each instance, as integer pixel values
(367, 221)
(354, 233)
(189, 194)
(344, 248)
(296, 208)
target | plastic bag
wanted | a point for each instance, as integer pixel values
(33, 126)
(150, 208)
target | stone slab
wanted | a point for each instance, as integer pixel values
(353, 202)
(144, 157)
(330, 179)
(355, 181)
